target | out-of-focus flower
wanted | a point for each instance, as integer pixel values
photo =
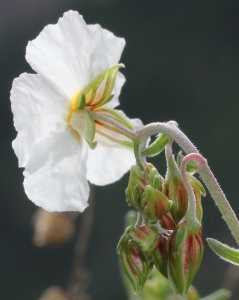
(52, 114)
(54, 293)
(52, 228)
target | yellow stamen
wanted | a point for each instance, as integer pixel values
(72, 107)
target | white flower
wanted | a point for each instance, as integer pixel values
(57, 159)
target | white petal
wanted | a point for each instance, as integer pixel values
(136, 123)
(108, 164)
(72, 53)
(39, 108)
(55, 176)
(110, 161)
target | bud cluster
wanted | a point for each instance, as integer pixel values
(162, 237)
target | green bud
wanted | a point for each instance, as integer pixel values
(167, 222)
(185, 251)
(161, 255)
(134, 264)
(146, 238)
(135, 187)
(154, 178)
(154, 204)
(175, 190)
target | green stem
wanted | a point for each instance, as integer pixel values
(139, 219)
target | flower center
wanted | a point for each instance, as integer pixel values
(72, 107)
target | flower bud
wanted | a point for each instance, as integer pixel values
(144, 192)
(145, 237)
(134, 264)
(185, 251)
(175, 190)
(52, 229)
(178, 193)
(154, 204)
(54, 293)
(161, 255)
(167, 222)
(154, 178)
(135, 187)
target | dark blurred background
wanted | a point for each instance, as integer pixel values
(182, 63)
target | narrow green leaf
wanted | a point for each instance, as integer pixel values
(221, 294)
(157, 146)
(225, 252)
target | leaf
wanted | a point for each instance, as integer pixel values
(224, 252)
(157, 146)
(221, 294)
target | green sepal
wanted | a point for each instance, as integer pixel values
(161, 255)
(135, 187)
(180, 237)
(225, 252)
(157, 146)
(154, 204)
(82, 122)
(92, 145)
(221, 294)
(118, 116)
(109, 99)
(81, 101)
(145, 237)
(185, 251)
(192, 165)
(197, 185)
(98, 91)
(154, 178)
(134, 264)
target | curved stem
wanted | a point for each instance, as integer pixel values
(217, 194)
(172, 131)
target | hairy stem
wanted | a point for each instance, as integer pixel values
(218, 196)
(172, 131)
